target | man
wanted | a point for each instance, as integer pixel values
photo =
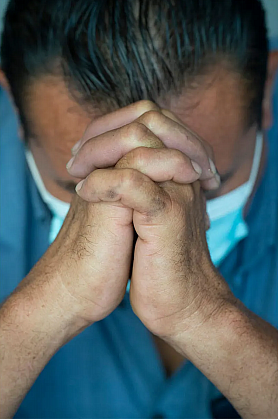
(151, 88)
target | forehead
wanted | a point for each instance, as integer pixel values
(214, 109)
(54, 116)
(217, 111)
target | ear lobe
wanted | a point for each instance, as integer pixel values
(4, 82)
(272, 69)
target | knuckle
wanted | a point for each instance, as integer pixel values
(146, 105)
(179, 161)
(151, 117)
(111, 193)
(135, 158)
(124, 162)
(135, 131)
(178, 157)
(139, 155)
(130, 178)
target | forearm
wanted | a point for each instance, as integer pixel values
(32, 328)
(238, 352)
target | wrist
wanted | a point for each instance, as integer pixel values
(32, 329)
(212, 303)
(212, 308)
(40, 302)
(212, 332)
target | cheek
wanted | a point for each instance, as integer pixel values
(222, 134)
(226, 155)
(233, 154)
(51, 160)
(226, 136)
(52, 166)
(224, 140)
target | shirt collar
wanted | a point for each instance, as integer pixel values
(262, 215)
(41, 211)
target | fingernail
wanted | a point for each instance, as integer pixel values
(212, 167)
(196, 167)
(214, 182)
(69, 163)
(75, 147)
(217, 177)
(79, 185)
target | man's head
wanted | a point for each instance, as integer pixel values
(68, 62)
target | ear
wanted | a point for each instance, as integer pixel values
(6, 86)
(272, 69)
(4, 82)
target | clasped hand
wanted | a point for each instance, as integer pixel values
(142, 170)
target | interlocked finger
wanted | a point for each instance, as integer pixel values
(161, 164)
(125, 187)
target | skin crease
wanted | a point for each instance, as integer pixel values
(58, 122)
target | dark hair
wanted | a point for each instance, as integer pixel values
(116, 52)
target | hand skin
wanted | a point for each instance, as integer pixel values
(81, 279)
(83, 275)
(165, 216)
(179, 296)
(176, 291)
(97, 147)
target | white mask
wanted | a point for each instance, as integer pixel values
(227, 225)
(58, 208)
(226, 212)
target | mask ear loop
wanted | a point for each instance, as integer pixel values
(55, 205)
(256, 160)
(217, 207)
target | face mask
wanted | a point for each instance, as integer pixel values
(227, 226)
(59, 209)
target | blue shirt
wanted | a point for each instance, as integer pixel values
(112, 369)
